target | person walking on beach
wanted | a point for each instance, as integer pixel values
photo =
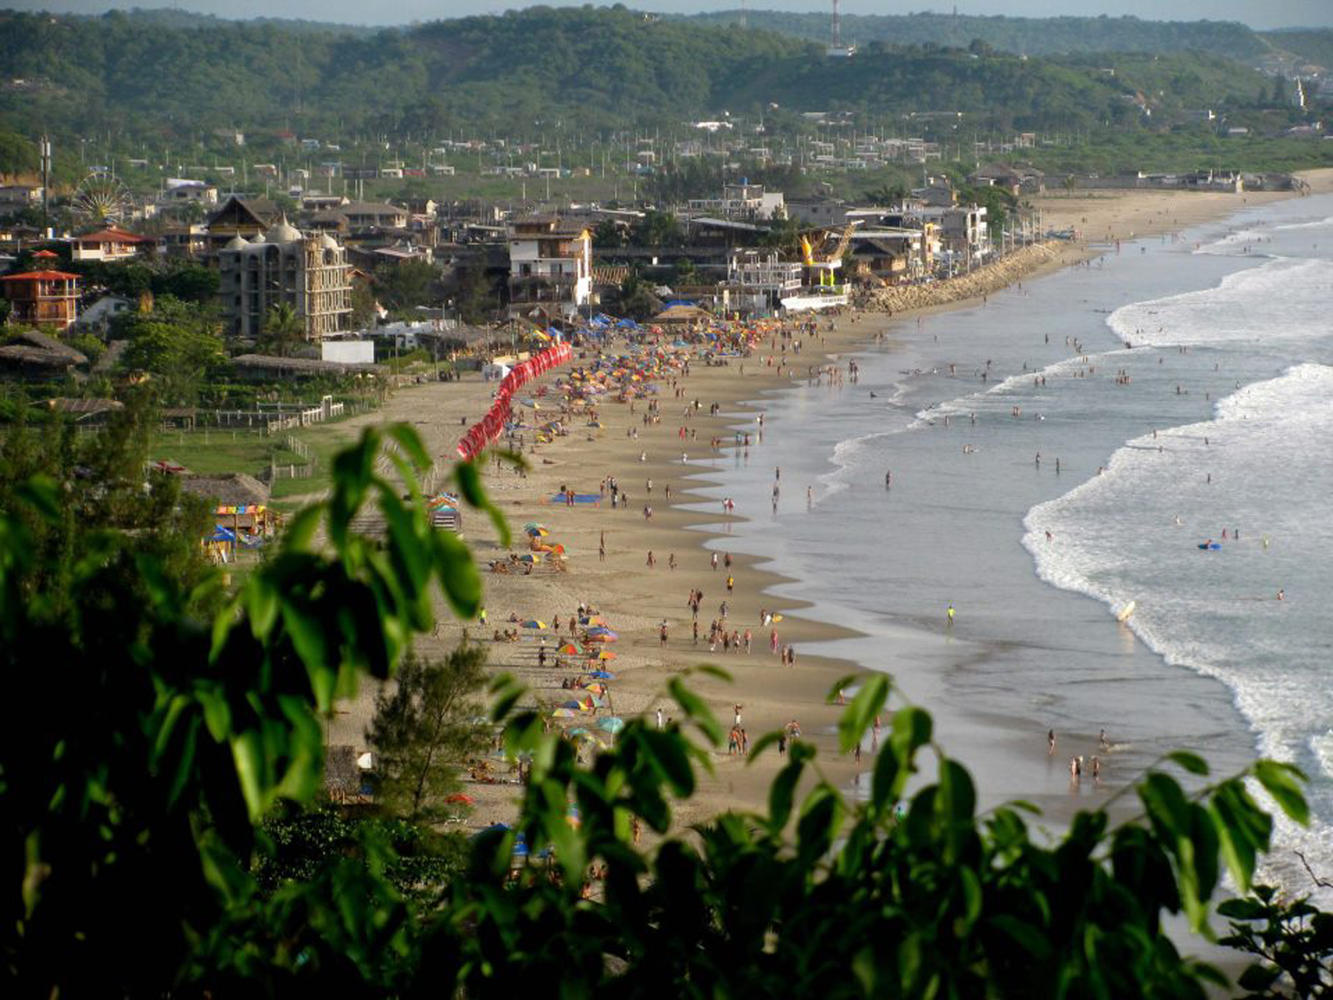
(948, 615)
(1050, 742)
(662, 633)
(601, 548)
(713, 561)
(888, 479)
(659, 718)
(651, 561)
(731, 583)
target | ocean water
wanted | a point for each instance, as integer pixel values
(1060, 451)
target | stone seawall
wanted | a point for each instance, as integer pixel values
(986, 279)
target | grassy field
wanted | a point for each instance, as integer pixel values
(219, 452)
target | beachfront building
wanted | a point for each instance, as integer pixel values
(964, 230)
(48, 299)
(550, 268)
(758, 281)
(310, 274)
(893, 253)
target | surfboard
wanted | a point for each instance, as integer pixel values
(777, 618)
(1126, 611)
(1210, 545)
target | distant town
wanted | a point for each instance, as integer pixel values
(306, 238)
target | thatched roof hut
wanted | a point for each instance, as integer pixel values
(681, 313)
(234, 489)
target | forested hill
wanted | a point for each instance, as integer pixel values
(541, 68)
(1035, 36)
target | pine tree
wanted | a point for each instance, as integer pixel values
(423, 730)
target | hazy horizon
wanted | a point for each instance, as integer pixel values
(1274, 14)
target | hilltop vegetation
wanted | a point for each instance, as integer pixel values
(545, 69)
(1019, 35)
(1050, 36)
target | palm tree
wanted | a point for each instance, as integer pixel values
(283, 330)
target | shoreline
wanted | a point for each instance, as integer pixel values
(635, 598)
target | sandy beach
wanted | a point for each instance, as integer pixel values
(635, 597)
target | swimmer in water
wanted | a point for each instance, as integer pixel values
(1281, 595)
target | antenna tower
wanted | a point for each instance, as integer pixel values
(836, 48)
(44, 152)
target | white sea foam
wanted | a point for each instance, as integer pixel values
(844, 459)
(1326, 223)
(1231, 241)
(1216, 612)
(1322, 746)
(1282, 300)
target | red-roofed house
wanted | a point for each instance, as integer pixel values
(109, 244)
(42, 298)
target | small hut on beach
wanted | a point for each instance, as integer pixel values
(240, 506)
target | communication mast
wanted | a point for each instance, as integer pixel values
(44, 152)
(836, 49)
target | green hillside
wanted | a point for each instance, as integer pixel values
(1019, 35)
(172, 82)
(1313, 46)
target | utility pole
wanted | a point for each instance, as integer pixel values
(44, 149)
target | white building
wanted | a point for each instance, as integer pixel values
(181, 191)
(757, 282)
(742, 201)
(550, 268)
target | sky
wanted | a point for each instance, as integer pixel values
(1269, 14)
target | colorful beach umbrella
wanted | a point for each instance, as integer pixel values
(611, 724)
(534, 623)
(563, 713)
(604, 675)
(569, 649)
(458, 798)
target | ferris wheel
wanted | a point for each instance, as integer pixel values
(101, 200)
